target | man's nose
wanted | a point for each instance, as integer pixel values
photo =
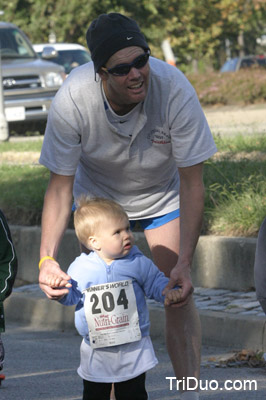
(134, 72)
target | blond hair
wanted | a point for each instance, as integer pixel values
(91, 213)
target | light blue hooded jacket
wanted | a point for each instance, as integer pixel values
(89, 270)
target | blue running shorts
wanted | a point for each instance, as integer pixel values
(155, 222)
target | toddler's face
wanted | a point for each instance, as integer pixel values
(115, 239)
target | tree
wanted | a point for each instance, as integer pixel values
(243, 21)
(196, 29)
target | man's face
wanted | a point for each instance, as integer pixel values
(124, 92)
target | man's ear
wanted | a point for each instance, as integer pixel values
(94, 243)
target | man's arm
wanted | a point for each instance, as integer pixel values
(191, 216)
(55, 217)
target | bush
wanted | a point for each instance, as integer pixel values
(247, 86)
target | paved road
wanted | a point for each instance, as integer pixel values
(228, 120)
(41, 365)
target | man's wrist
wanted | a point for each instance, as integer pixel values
(45, 258)
(184, 264)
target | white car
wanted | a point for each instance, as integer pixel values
(69, 55)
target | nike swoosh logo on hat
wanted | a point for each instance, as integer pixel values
(129, 38)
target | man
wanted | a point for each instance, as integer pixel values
(129, 127)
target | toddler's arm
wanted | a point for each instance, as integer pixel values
(73, 296)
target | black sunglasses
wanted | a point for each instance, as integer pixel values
(123, 69)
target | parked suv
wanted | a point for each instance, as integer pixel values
(29, 83)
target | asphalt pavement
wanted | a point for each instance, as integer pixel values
(41, 364)
(42, 348)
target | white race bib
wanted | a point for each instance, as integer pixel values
(111, 313)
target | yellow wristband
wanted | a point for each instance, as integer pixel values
(45, 258)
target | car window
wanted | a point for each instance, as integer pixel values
(262, 62)
(71, 58)
(229, 65)
(14, 45)
(247, 63)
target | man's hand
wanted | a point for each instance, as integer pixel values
(180, 276)
(53, 281)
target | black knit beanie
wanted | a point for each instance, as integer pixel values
(110, 33)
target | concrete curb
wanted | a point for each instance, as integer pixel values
(221, 329)
(219, 262)
(32, 308)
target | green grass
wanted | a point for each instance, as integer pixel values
(239, 143)
(21, 146)
(235, 198)
(22, 192)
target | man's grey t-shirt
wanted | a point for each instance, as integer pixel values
(139, 170)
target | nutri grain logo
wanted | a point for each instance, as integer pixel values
(110, 321)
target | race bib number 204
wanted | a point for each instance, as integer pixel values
(111, 313)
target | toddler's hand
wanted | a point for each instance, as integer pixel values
(56, 281)
(172, 296)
